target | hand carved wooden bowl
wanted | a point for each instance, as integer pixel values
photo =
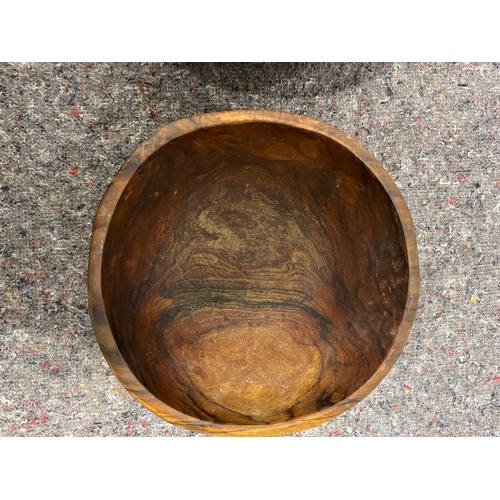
(252, 273)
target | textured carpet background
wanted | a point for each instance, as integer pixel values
(65, 129)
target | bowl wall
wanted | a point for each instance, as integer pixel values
(254, 274)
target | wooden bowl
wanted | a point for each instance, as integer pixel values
(252, 273)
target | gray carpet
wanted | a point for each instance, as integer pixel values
(65, 130)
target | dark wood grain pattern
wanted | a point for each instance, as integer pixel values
(252, 273)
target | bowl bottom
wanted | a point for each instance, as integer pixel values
(249, 368)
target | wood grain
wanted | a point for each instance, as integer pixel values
(252, 273)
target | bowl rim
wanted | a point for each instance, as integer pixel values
(103, 218)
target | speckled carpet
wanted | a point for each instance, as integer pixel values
(65, 130)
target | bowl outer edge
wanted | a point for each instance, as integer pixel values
(102, 220)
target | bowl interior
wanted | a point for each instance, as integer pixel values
(254, 273)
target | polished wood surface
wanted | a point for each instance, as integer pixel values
(252, 273)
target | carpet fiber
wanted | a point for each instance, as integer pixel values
(65, 130)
